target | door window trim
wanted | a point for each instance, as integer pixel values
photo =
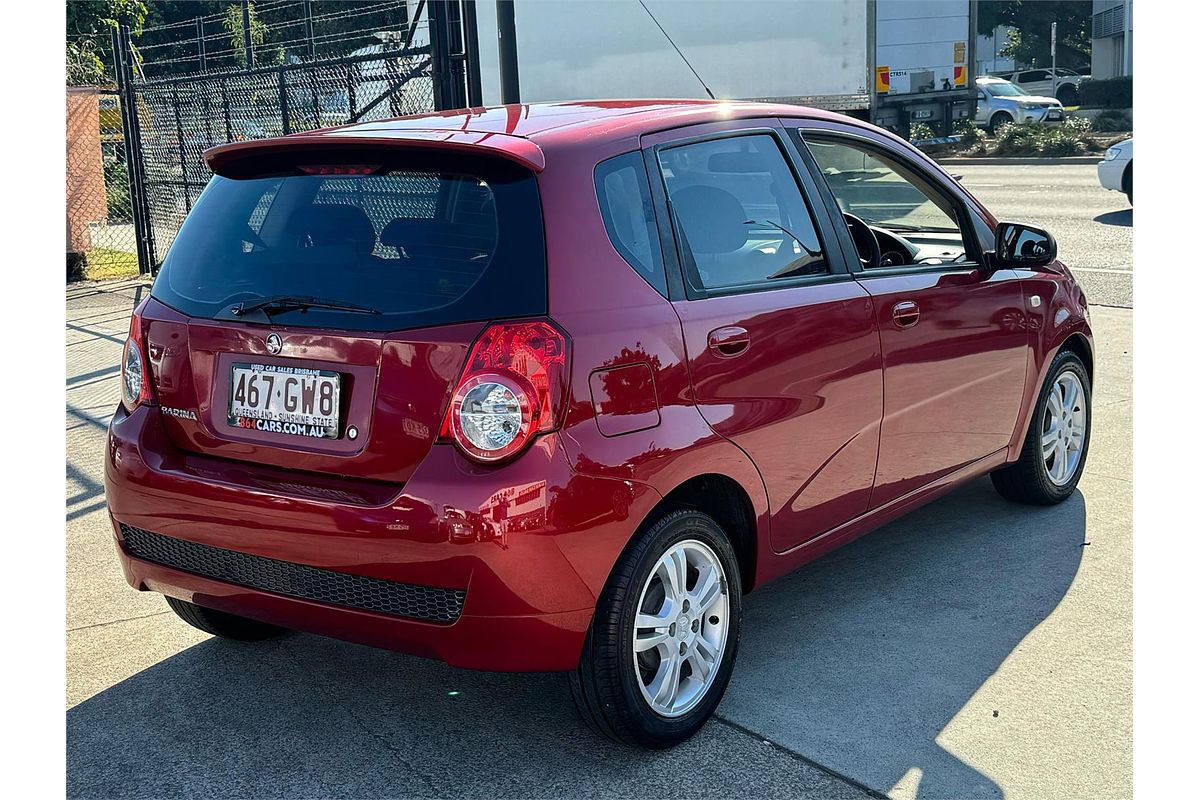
(809, 192)
(963, 209)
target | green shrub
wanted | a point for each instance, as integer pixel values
(1110, 93)
(971, 133)
(919, 130)
(1036, 139)
(1112, 120)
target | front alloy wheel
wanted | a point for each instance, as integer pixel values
(661, 646)
(1056, 443)
(1064, 423)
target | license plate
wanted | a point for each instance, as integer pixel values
(923, 114)
(1054, 115)
(289, 400)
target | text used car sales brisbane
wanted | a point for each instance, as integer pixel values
(552, 387)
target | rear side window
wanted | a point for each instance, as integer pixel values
(628, 212)
(421, 247)
(740, 217)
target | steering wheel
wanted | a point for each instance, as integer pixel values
(864, 241)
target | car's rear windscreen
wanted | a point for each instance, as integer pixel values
(426, 241)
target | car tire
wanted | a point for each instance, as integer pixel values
(1068, 95)
(999, 119)
(1127, 183)
(219, 623)
(1031, 479)
(611, 686)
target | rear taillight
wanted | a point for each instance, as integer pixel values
(513, 387)
(135, 377)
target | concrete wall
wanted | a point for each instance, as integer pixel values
(87, 200)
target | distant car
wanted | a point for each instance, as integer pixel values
(1042, 82)
(1116, 170)
(1001, 103)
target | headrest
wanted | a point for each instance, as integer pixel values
(332, 224)
(712, 218)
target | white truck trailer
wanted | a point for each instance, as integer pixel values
(894, 62)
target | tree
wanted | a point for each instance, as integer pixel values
(1030, 42)
(89, 37)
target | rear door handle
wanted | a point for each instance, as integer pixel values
(729, 341)
(905, 314)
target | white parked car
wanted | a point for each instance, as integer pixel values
(1116, 170)
(1000, 103)
(1042, 82)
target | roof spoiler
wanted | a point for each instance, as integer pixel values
(237, 158)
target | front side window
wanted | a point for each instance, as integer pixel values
(912, 223)
(740, 217)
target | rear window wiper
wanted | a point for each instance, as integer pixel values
(281, 303)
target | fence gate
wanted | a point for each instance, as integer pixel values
(170, 122)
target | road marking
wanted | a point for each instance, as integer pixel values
(1100, 269)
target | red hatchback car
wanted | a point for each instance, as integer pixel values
(553, 387)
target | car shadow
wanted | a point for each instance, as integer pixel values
(856, 662)
(1122, 218)
(860, 659)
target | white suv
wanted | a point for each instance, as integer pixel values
(1000, 103)
(1042, 82)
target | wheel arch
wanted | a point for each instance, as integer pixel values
(1078, 344)
(725, 500)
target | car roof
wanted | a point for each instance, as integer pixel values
(522, 132)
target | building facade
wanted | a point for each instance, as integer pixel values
(1112, 38)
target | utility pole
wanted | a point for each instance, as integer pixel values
(506, 33)
(1054, 58)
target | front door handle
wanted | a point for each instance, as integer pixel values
(729, 341)
(905, 314)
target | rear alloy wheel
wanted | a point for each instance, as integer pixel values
(1068, 95)
(219, 623)
(662, 645)
(1056, 445)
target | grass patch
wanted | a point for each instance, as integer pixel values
(106, 264)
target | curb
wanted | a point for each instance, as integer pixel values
(1021, 160)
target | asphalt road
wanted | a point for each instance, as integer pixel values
(1093, 226)
(975, 649)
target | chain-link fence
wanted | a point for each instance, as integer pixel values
(256, 70)
(180, 118)
(101, 241)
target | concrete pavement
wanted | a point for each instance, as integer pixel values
(972, 649)
(1093, 226)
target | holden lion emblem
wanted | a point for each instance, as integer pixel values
(274, 344)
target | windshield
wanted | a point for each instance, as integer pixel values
(416, 248)
(1003, 89)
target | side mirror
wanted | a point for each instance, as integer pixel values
(1020, 245)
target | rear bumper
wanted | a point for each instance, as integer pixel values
(527, 545)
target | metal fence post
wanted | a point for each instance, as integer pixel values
(309, 32)
(200, 43)
(284, 117)
(187, 189)
(246, 32)
(139, 206)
